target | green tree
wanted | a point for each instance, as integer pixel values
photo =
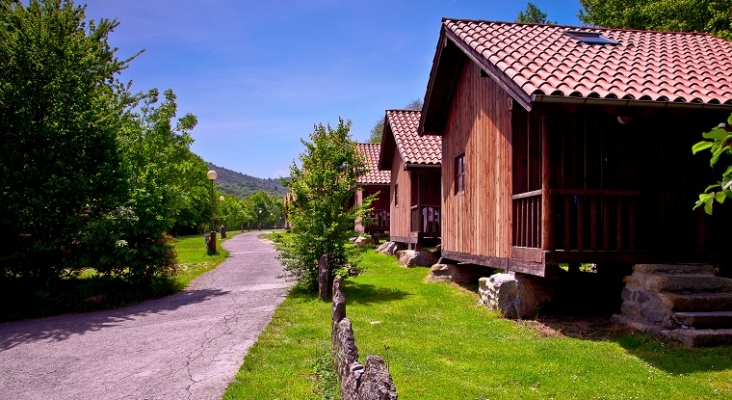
(321, 218)
(60, 112)
(378, 130)
(718, 142)
(532, 14)
(166, 181)
(712, 16)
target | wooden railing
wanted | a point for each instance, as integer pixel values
(584, 220)
(527, 219)
(425, 218)
(377, 220)
(595, 219)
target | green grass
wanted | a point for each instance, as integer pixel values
(440, 345)
(94, 292)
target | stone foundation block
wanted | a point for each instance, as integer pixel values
(413, 258)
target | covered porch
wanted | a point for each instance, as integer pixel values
(606, 185)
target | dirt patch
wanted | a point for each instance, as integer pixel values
(595, 327)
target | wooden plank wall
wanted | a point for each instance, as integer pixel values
(400, 215)
(479, 124)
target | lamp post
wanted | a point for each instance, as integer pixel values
(212, 175)
(259, 219)
(223, 225)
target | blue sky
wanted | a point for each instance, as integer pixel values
(259, 74)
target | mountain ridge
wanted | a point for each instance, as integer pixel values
(242, 185)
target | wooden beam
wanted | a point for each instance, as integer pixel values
(547, 225)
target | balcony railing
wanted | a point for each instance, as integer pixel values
(583, 220)
(426, 219)
(377, 220)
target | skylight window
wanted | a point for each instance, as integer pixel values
(589, 37)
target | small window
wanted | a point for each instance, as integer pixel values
(396, 195)
(589, 37)
(460, 174)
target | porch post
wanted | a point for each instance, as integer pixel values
(547, 223)
(359, 200)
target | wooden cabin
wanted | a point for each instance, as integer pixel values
(573, 144)
(373, 182)
(414, 163)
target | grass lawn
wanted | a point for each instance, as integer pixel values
(440, 345)
(93, 292)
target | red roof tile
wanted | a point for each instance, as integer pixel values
(371, 152)
(413, 148)
(540, 60)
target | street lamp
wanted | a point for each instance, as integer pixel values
(223, 226)
(212, 175)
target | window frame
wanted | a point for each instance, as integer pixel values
(459, 174)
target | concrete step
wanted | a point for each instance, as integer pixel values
(704, 320)
(697, 301)
(685, 269)
(680, 283)
(700, 337)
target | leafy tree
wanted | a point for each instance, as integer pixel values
(718, 142)
(712, 16)
(533, 14)
(266, 209)
(167, 185)
(322, 189)
(378, 130)
(60, 112)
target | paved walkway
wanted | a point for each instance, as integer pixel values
(185, 346)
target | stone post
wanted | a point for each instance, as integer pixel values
(323, 278)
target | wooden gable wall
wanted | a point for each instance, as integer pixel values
(399, 230)
(478, 222)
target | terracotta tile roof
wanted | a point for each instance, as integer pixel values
(374, 176)
(414, 149)
(542, 60)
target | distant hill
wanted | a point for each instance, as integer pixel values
(242, 185)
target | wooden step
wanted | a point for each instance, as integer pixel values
(704, 320)
(684, 269)
(682, 283)
(700, 337)
(697, 301)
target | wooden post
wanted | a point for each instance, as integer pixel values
(547, 215)
(212, 243)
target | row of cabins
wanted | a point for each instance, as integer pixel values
(541, 144)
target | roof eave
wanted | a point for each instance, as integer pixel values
(542, 98)
(421, 166)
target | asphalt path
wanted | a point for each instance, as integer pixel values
(185, 346)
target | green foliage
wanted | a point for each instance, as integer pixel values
(710, 16)
(378, 130)
(533, 14)
(60, 112)
(321, 218)
(718, 142)
(91, 176)
(166, 184)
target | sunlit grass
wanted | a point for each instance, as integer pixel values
(440, 345)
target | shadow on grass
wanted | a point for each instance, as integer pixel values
(667, 356)
(361, 293)
(356, 293)
(675, 359)
(62, 327)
